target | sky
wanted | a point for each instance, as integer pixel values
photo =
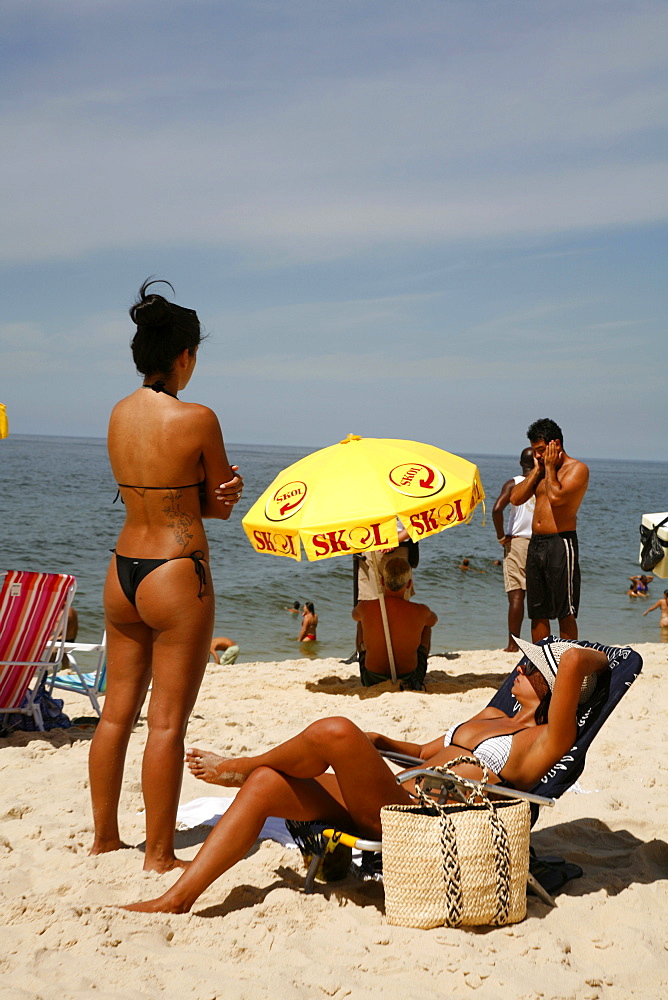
(427, 219)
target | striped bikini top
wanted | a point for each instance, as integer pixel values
(494, 751)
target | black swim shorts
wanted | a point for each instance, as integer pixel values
(553, 576)
(409, 682)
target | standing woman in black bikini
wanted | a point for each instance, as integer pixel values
(169, 460)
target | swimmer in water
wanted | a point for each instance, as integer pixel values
(309, 623)
(663, 604)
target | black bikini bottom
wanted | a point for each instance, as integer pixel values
(131, 571)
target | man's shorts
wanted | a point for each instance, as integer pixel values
(229, 656)
(515, 563)
(414, 681)
(553, 576)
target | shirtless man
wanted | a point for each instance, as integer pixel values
(559, 483)
(410, 631)
(228, 647)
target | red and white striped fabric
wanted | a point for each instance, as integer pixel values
(31, 607)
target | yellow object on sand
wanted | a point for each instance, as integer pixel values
(346, 498)
(4, 423)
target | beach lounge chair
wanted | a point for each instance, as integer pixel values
(89, 683)
(625, 665)
(33, 611)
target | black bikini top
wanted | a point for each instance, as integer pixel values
(158, 386)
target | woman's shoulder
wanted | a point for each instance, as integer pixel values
(198, 410)
(492, 713)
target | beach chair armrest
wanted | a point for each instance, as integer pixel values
(450, 784)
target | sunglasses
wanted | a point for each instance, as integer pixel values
(527, 669)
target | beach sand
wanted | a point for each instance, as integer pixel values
(253, 935)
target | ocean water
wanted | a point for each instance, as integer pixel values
(57, 515)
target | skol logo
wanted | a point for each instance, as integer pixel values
(286, 501)
(416, 480)
(433, 519)
(331, 543)
(276, 543)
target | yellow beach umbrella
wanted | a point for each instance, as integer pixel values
(4, 423)
(347, 498)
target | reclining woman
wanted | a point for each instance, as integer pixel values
(290, 781)
(169, 461)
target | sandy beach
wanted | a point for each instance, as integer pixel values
(254, 935)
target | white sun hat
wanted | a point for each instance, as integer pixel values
(546, 660)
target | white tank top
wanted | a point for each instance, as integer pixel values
(520, 519)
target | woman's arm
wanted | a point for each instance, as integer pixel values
(230, 492)
(558, 736)
(400, 746)
(220, 482)
(657, 605)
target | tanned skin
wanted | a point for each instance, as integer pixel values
(559, 483)
(410, 626)
(294, 779)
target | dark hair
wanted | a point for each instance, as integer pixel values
(309, 606)
(540, 715)
(526, 458)
(295, 604)
(545, 430)
(164, 330)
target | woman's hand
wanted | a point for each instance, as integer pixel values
(230, 492)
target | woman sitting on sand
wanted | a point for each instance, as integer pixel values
(169, 461)
(290, 781)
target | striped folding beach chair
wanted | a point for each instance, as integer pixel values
(33, 610)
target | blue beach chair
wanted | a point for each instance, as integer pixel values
(625, 665)
(89, 683)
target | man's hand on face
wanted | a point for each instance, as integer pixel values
(554, 456)
(539, 465)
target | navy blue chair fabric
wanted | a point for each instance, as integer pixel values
(625, 665)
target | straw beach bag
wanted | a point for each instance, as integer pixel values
(457, 864)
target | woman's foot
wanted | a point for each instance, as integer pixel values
(166, 865)
(106, 846)
(160, 905)
(214, 769)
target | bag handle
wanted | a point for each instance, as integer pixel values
(451, 869)
(472, 788)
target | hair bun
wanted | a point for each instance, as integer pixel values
(150, 311)
(153, 309)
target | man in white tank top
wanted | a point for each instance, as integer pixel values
(515, 540)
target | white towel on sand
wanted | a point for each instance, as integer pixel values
(208, 810)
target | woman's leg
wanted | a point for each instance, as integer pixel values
(335, 742)
(352, 797)
(129, 644)
(363, 782)
(266, 793)
(182, 624)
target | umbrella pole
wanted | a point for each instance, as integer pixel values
(383, 615)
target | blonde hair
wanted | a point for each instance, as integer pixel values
(396, 573)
